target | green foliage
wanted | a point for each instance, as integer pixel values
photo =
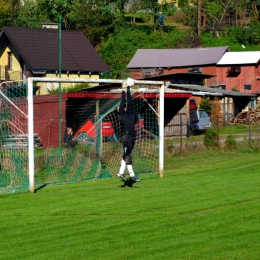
(231, 142)
(119, 49)
(32, 14)
(206, 105)
(95, 20)
(168, 7)
(209, 40)
(211, 137)
(191, 17)
(183, 3)
(230, 37)
(245, 34)
(5, 117)
(153, 5)
(143, 16)
(8, 12)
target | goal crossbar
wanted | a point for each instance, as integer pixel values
(32, 80)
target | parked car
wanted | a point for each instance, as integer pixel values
(86, 134)
(202, 122)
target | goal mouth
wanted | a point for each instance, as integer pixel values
(35, 121)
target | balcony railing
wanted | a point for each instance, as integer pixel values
(6, 75)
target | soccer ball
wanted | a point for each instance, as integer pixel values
(130, 82)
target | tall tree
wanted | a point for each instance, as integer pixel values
(199, 19)
(218, 12)
(35, 12)
(8, 12)
(96, 18)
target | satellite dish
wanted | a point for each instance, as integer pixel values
(52, 86)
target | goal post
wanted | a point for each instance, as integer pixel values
(34, 80)
(30, 136)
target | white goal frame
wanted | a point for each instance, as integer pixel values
(31, 81)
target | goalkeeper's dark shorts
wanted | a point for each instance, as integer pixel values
(128, 146)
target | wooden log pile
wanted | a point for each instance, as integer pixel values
(244, 117)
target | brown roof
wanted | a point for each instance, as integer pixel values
(39, 48)
(179, 75)
(155, 58)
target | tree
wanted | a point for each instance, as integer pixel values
(199, 19)
(206, 105)
(135, 7)
(8, 12)
(33, 13)
(216, 13)
(96, 18)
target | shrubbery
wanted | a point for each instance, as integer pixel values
(206, 105)
(211, 138)
(231, 142)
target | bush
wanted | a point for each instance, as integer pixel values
(205, 104)
(231, 142)
(215, 115)
(211, 137)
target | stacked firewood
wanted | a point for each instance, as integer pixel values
(244, 117)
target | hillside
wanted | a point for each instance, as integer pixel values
(120, 47)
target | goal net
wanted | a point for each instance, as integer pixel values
(35, 118)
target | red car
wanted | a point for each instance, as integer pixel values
(87, 132)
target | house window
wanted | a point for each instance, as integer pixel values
(234, 70)
(222, 86)
(148, 74)
(247, 87)
(195, 70)
(10, 61)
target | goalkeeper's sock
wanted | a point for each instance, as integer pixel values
(122, 167)
(130, 170)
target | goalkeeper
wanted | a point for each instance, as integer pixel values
(128, 139)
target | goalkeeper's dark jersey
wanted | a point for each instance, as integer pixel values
(127, 119)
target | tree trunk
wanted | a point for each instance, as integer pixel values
(199, 19)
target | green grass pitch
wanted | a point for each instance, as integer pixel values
(206, 206)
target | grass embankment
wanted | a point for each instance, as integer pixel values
(205, 207)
